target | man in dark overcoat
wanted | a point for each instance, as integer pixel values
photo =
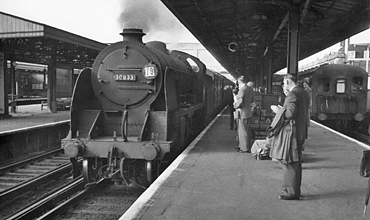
(231, 108)
(296, 104)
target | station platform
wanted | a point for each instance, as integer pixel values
(210, 180)
(31, 115)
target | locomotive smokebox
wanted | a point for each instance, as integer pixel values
(132, 34)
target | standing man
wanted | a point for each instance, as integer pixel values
(243, 104)
(250, 84)
(309, 91)
(231, 108)
(296, 104)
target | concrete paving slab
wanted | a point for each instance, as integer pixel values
(223, 184)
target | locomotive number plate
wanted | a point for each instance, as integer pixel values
(124, 77)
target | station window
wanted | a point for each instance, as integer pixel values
(341, 86)
(323, 85)
(38, 86)
(359, 54)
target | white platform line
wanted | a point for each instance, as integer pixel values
(140, 203)
(342, 135)
(33, 127)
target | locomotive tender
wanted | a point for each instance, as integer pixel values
(138, 107)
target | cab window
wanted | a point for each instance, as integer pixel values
(358, 80)
(323, 85)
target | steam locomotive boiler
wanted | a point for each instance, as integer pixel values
(136, 108)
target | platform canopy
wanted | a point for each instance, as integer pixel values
(28, 41)
(258, 27)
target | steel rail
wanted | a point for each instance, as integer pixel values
(64, 206)
(28, 185)
(28, 161)
(51, 200)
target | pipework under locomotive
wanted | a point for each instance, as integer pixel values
(134, 109)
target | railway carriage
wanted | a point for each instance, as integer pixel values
(339, 96)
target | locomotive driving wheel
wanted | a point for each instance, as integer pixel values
(90, 170)
(151, 171)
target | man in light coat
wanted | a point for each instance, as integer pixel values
(243, 102)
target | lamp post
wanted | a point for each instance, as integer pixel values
(367, 58)
(12, 78)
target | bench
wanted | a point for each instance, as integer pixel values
(62, 103)
(44, 104)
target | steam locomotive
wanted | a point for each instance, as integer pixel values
(339, 96)
(138, 107)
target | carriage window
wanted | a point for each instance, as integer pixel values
(193, 65)
(323, 85)
(357, 80)
(341, 86)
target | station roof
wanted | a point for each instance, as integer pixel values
(32, 42)
(258, 26)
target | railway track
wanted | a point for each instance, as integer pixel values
(75, 201)
(23, 182)
(110, 201)
(42, 187)
(49, 200)
(25, 175)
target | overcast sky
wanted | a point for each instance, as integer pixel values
(103, 20)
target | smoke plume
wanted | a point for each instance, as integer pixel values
(155, 19)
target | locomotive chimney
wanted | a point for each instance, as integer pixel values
(133, 34)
